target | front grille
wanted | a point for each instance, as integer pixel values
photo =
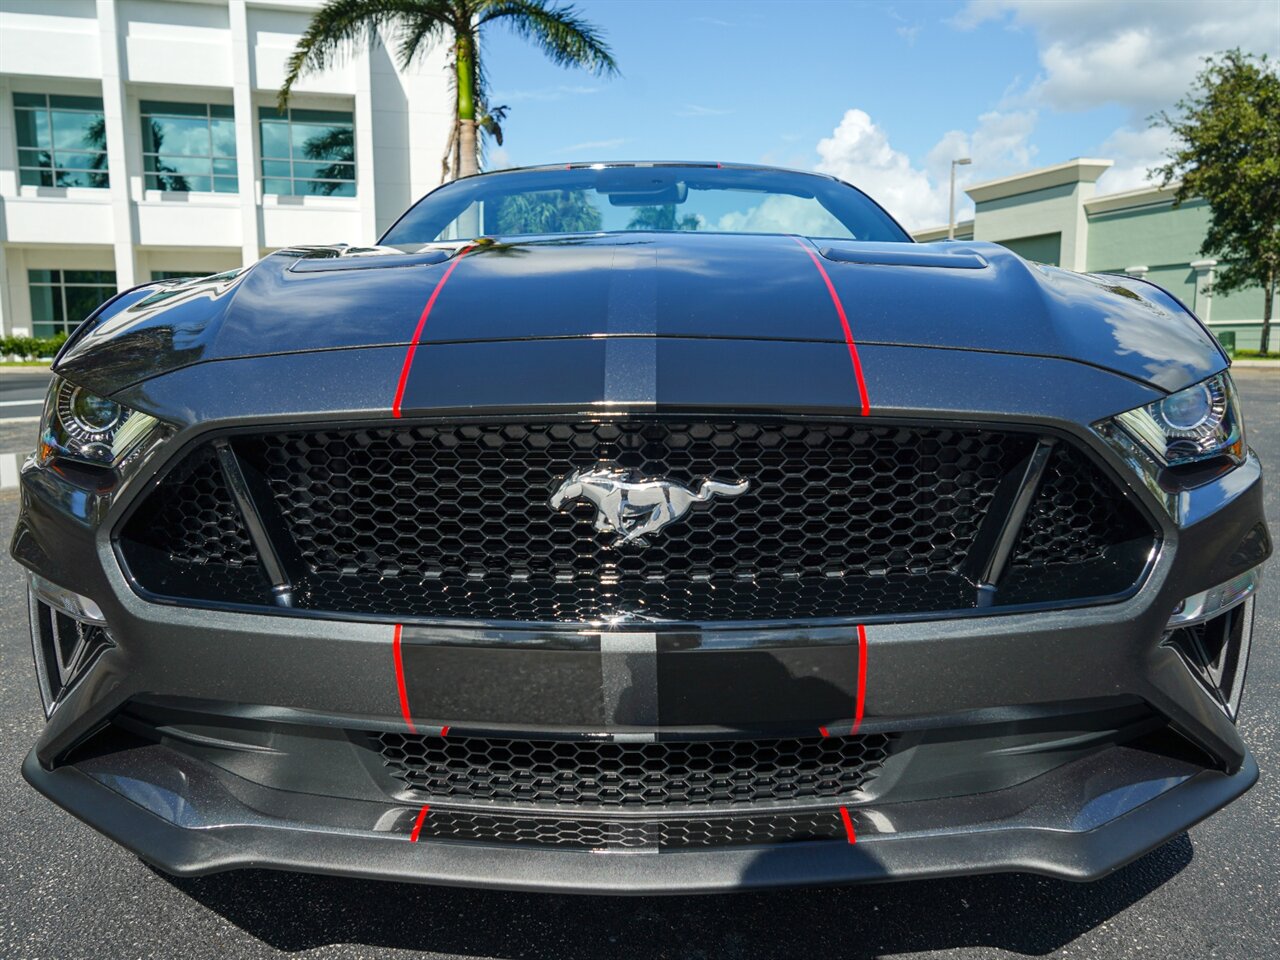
(193, 518)
(826, 500)
(1075, 516)
(612, 775)
(841, 519)
(189, 539)
(622, 835)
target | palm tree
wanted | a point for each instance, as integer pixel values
(662, 218)
(548, 211)
(340, 25)
(337, 146)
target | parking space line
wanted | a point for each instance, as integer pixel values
(8, 470)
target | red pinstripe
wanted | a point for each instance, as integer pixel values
(862, 679)
(422, 322)
(404, 694)
(848, 825)
(417, 824)
(844, 323)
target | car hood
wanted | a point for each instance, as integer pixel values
(961, 296)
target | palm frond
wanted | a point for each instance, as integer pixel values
(342, 24)
(566, 38)
(424, 31)
(490, 121)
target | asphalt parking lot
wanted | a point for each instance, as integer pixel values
(67, 892)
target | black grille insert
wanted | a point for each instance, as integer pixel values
(622, 835)
(842, 519)
(189, 540)
(1076, 515)
(608, 775)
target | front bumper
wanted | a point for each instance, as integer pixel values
(1084, 740)
(1058, 834)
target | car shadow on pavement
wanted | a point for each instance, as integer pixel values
(1014, 912)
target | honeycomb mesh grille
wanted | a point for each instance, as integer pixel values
(471, 501)
(583, 774)
(681, 833)
(454, 520)
(842, 519)
(192, 517)
(1075, 516)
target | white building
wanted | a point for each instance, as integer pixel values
(140, 139)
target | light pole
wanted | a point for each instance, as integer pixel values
(951, 220)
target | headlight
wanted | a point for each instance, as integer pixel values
(1196, 424)
(82, 426)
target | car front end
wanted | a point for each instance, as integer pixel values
(626, 609)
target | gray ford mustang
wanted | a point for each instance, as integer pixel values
(647, 508)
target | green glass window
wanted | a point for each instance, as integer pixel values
(189, 146)
(61, 299)
(308, 152)
(62, 141)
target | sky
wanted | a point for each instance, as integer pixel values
(882, 94)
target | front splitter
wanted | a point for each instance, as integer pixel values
(216, 846)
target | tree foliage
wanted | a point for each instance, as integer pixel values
(416, 26)
(662, 218)
(1227, 151)
(548, 211)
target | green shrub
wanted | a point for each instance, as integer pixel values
(31, 348)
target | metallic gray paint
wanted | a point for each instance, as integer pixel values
(603, 325)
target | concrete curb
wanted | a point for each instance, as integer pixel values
(1273, 365)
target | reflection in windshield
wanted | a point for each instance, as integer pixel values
(669, 198)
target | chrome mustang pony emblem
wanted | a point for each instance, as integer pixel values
(633, 506)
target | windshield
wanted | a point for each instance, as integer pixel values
(683, 198)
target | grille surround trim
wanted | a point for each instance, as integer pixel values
(1083, 442)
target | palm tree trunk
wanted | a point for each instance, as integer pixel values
(468, 147)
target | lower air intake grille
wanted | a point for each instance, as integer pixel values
(682, 833)
(610, 775)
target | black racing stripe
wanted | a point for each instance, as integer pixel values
(533, 686)
(751, 688)
(753, 373)
(515, 374)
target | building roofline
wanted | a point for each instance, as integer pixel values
(1079, 170)
(1126, 199)
(926, 234)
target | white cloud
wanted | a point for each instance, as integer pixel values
(543, 94)
(859, 151)
(590, 145)
(497, 158)
(697, 110)
(1135, 152)
(782, 214)
(1142, 56)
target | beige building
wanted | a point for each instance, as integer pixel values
(1055, 215)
